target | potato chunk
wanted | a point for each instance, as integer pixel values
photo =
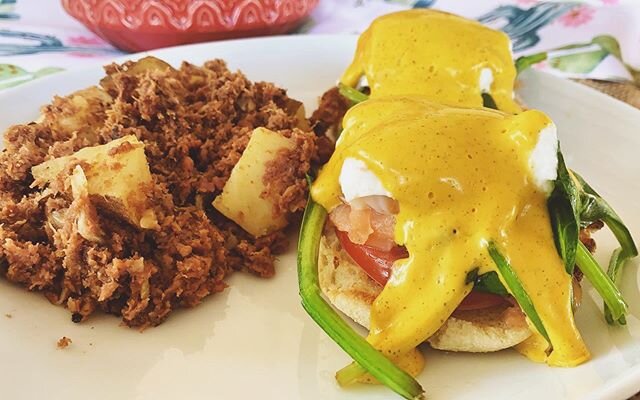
(242, 199)
(143, 65)
(117, 175)
(81, 113)
(296, 108)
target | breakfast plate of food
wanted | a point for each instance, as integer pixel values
(408, 213)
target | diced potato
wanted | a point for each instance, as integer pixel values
(296, 108)
(116, 173)
(81, 112)
(241, 199)
(148, 63)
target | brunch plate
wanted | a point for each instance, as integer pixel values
(254, 339)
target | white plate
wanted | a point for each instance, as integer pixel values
(254, 340)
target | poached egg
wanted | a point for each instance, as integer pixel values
(441, 56)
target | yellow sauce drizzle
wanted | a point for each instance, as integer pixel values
(434, 54)
(462, 178)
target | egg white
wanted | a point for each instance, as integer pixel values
(486, 80)
(356, 180)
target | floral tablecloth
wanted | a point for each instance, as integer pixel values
(37, 38)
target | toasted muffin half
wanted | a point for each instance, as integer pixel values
(352, 291)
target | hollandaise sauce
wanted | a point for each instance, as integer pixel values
(448, 59)
(462, 178)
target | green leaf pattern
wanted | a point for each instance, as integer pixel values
(12, 75)
(581, 58)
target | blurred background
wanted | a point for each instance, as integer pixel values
(596, 41)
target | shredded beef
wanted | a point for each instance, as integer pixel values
(195, 123)
(331, 109)
(63, 342)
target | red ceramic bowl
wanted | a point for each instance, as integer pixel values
(137, 25)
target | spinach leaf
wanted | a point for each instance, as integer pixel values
(517, 290)
(367, 357)
(564, 211)
(488, 101)
(352, 94)
(594, 208)
(574, 204)
(490, 283)
(601, 282)
(615, 267)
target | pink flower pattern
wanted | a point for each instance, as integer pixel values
(541, 65)
(85, 41)
(577, 16)
(80, 54)
(527, 2)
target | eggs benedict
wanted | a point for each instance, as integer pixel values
(442, 228)
(441, 56)
(442, 183)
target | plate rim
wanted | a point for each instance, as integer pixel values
(284, 38)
